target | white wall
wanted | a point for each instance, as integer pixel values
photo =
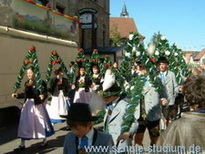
(13, 49)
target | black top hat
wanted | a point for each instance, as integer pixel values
(114, 90)
(80, 112)
(162, 60)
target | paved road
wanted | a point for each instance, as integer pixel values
(9, 141)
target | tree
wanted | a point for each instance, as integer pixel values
(115, 37)
(30, 59)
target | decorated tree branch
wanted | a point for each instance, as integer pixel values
(135, 95)
(54, 60)
(178, 64)
(107, 63)
(80, 59)
(80, 56)
(95, 60)
(95, 57)
(159, 47)
(133, 48)
(87, 66)
(100, 115)
(31, 58)
(135, 51)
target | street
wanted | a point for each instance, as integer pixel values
(9, 140)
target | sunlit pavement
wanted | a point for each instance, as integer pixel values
(9, 141)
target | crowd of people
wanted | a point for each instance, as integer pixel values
(159, 109)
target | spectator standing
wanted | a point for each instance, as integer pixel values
(189, 129)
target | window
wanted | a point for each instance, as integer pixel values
(42, 2)
(60, 9)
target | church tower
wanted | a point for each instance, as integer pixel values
(124, 12)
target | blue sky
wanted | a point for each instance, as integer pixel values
(181, 21)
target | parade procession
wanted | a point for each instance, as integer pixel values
(80, 87)
(148, 90)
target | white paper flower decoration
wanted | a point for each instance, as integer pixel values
(134, 49)
(175, 54)
(126, 85)
(167, 53)
(132, 87)
(138, 53)
(176, 45)
(156, 53)
(163, 38)
(127, 54)
(131, 36)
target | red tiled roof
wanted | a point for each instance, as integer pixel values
(124, 25)
(199, 55)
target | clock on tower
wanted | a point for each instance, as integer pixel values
(86, 18)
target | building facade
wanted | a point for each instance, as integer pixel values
(93, 16)
(48, 25)
(94, 32)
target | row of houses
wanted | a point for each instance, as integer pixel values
(195, 57)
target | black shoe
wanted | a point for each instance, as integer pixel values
(44, 144)
(20, 148)
(67, 128)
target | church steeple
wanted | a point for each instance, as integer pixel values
(124, 11)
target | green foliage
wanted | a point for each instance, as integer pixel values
(135, 51)
(135, 94)
(95, 60)
(107, 63)
(31, 58)
(56, 59)
(159, 47)
(88, 66)
(100, 115)
(115, 37)
(177, 64)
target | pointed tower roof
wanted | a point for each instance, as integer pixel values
(124, 12)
